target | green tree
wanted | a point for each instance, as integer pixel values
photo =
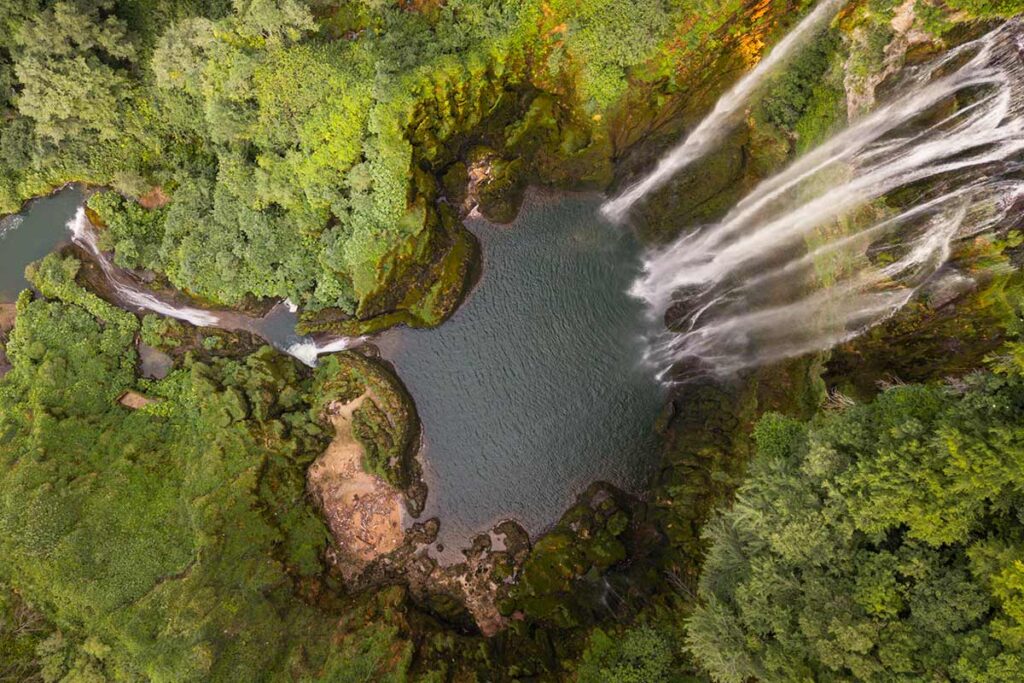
(71, 63)
(273, 21)
(881, 543)
(640, 655)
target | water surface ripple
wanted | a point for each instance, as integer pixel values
(534, 389)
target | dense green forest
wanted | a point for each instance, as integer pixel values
(815, 520)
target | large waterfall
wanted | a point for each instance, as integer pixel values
(828, 248)
(131, 294)
(715, 125)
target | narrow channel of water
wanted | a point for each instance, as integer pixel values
(534, 388)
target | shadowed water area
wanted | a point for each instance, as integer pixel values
(534, 388)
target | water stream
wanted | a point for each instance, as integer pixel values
(277, 327)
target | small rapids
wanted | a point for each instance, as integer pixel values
(844, 237)
(711, 130)
(131, 294)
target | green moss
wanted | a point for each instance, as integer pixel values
(588, 540)
(425, 301)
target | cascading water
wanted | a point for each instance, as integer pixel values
(83, 235)
(305, 349)
(714, 126)
(817, 254)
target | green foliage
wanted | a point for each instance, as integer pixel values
(879, 543)
(607, 37)
(160, 332)
(22, 632)
(70, 63)
(641, 655)
(385, 424)
(174, 541)
(988, 8)
(791, 93)
(133, 232)
(288, 134)
(588, 540)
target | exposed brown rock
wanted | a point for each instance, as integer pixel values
(7, 315)
(154, 199)
(363, 512)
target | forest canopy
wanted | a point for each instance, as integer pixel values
(325, 151)
(883, 542)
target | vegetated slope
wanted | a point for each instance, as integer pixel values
(303, 145)
(173, 542)
(879, 542)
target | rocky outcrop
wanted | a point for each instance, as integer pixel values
(363, 512)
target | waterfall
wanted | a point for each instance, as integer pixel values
(816, 254)
(711, 130)
(306, 349)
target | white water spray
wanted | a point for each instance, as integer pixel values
(306, 350)
(83, 235)
(816, 255)
(711, 130)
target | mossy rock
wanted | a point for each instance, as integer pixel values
(425, 295)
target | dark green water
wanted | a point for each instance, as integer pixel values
(31, 235)
(534, 388)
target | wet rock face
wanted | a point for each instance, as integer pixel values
(946, 287)
(591, 538)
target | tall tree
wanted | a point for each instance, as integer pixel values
(883, 543)
(71, 62)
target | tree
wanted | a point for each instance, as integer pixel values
(273, 21)
(641, 655)
(882, 543)
(71, 63)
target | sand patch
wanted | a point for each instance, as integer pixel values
(134, 400)
(154, 199)
(8, 312)
(7, 315)
(362, 511)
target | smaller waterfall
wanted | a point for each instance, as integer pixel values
(714, 126)
(306, 349)
(849, 233)
(83, 235)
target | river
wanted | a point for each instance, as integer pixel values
(32, 234)
(530, 392)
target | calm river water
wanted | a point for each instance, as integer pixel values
(534, 388)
